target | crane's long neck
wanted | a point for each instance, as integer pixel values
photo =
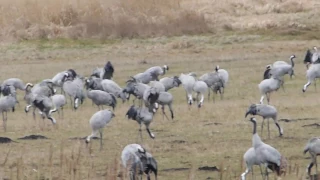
(256, 141)
(292, 62)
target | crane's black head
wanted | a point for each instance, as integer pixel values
(252, 110)
(109, 67)
(132, 113)
(267, 74)
(217, 68)
(6, 90)
(308, 57)
(151, 166)
(153, 97)
(72, 73)
(176, 81)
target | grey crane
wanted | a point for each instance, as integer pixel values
(59, 101)
(93, 83)
(135, 88)
(101, 98)
(165, 98)
(170, 82)
(145, 77)
(73, 88)
(313, 147)
(15, 82)
(188, 82)
(97, 122)
(250, 159)
(142, 115)
(200, 88)
(267, 86)
(104, 73)
(214, 81)
(312, 73)
(7, 103)
(280, 68)
(267, 75)
(266, 112)
(112, 87)
(46, 107)
(157, 71)
(57, 80)
(265, 153)
(137, 161)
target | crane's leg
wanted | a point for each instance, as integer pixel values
(315, 162)
(171, 111)
(315, 85)
(62, 114)
(140, 132)
(262, 126)
(101, 136)
(243, 175)
(149, 132)
(209, 94)
(268, 129)
(34, 113)
(268, 97)
(260, 171)
(164, 113)
(4, 122)
(309, 168)
(267, 175)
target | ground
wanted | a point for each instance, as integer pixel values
(215, 135)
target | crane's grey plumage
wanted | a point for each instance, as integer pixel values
(15, 82)
(188, 82)
(104, 73)
(7, 103)
(214, 81)
(312, 73)
(266, 112)
(200, 88)
(144, 77)
(170, 82)
(97, 122)
(137, 161)
(46, 107)
(142, 115)
(265, 153)
(313, 147)
(158, 86)
(250, 160)
(59, 100)
(135, 88)
(73, 88)
(57, 80)
(113, 88)
(157, 71)
(101, 98)
(150, 96)
(267, 86)
(281, 68)
(93, 83)
(165, 98)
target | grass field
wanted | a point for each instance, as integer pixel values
(239, 36)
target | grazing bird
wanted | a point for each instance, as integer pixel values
(59, 101)
(214, 81)
(73, 88)
(46, 107)
(101, 98)
(188, 82)
(135, 88)
(200, 88)
(312, 73)
(265, 153)
(266, 112)
(150, 96)
(137, 161)
(313, 147)
(170, 82)
(7, 103)
(97, 122)
(267, 86)
(158, 86)
(280, 68)
(250, 159)
(142, 115)
(113, 88)
(157, 71)
(145, 77)
(165, 98)
(16, 83)
(93, 83)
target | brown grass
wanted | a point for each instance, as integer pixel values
(203, 143)
(50, 19)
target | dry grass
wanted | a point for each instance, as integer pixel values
(190, 141)
(50, 19)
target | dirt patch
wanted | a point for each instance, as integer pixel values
(178, 141)
(299, 119)
(175, 169)
(33, 137)
(4, 140)
(310, 125)
(208, 168)
(83, 138)
(208, 124)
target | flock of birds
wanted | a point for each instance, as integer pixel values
(152, 92)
